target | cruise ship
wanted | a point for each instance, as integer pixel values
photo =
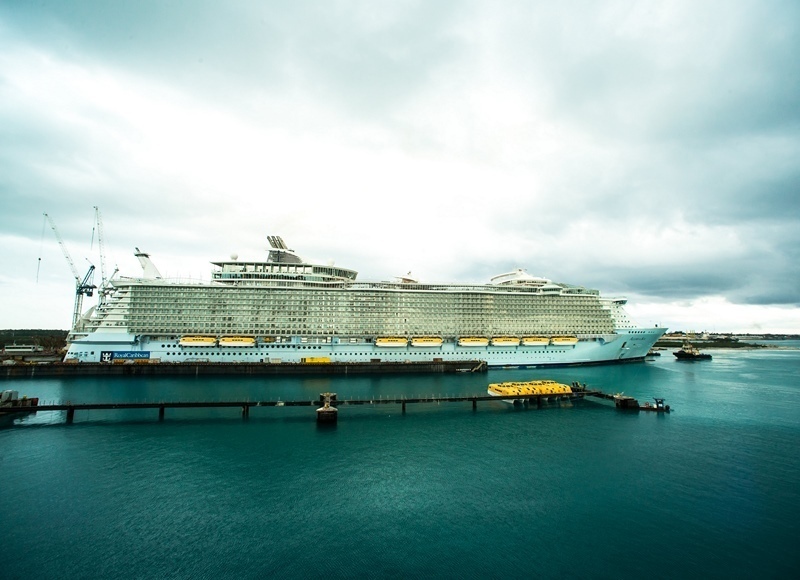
(285, 309)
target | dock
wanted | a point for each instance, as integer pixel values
(204, 369)
(327, 404)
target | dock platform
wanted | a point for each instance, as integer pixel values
(329, 401)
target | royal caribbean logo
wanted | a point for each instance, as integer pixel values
(111, 355)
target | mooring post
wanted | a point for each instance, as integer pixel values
(161, 413)
(404, 407)
(245, 411)
(474, 404)
(70, 415)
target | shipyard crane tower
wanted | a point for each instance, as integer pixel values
(104, 281)
(83, 286)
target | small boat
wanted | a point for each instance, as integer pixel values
(535, 341)
(690, 352)
(539, 387)
(426, 341)
(658, 406)
(237, 341)
(391, 342)
(564, 340)
(505, 341)
(198, 341)
(628, 403)
(473, 341)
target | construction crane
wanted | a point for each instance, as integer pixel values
(103, 291)
(83, 286)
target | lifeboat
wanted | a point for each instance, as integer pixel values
(197, 341)
(505, 341)
(473, 341)
(564, 340)
(391, 341)
(237, 341)
(535, 341)
(426, 341)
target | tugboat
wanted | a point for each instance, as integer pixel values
(689, 352)
(626, 403)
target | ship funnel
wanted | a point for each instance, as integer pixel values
(149, 269)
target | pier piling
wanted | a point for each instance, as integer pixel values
(327, 413)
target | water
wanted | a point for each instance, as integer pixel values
(567, 491)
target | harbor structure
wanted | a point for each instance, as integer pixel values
(327, 404)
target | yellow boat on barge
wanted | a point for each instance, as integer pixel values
(539, 387)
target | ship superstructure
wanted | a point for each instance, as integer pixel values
(285, 309)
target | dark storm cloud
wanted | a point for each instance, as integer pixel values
(666, 71)
(687, 115)
(358, 56)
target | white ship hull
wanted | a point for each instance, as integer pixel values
(626, 345)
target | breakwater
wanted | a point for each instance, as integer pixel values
(67, 370)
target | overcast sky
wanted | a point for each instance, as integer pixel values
(647, 149)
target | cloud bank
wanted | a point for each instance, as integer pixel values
(648, 150)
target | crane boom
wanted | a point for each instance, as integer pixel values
(103, 278)
(63, 248)
(82, 286)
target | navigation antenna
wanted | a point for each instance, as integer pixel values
(82, 286)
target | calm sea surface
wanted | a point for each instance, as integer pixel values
(567, 491)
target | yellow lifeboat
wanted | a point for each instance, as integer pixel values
(473, 341)
(535, 341)
(197, 341)
(237, 341)
(391, 341)
(505, 341)
(426, 341)
(564, 340)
